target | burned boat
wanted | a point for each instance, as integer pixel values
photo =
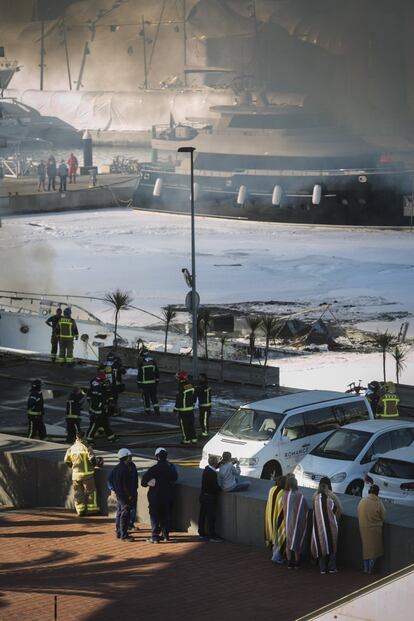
(280, 163)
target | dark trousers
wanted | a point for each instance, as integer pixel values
(62, 187)
(72, 428)
(187, 426)
(149, 394)
(160, 515)
(53, 346)
(96, 422)
(208, 509)
(133, 512)
(204, 417)
(36, 426)
(51, 183)
(123, 510)
(327, 563)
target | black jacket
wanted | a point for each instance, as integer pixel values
(123, 480)
(74, 404)
(165, 475)
(53, 321)
(204, 395)
(148, 374)
(185, 398)
(35, 403)
(209, 482)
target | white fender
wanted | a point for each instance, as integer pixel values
(316, 194)
(277, 195)
(157, 187)
(242, 195)
(196, 190)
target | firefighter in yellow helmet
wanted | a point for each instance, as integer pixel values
(66, 332)
(80, 457)
(388, 403)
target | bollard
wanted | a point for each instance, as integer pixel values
(87, 149)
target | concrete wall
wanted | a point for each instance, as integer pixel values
(222, 370)
(32, 474)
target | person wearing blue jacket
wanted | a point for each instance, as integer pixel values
(122, 482)
(160, 479)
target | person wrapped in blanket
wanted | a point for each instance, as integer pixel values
(275, 531)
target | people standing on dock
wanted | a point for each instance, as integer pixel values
(51, 173)
(295, 511)
(204, 403)
(80, 457)
(147, 379)
(63, 175)
(123, 482)
(325, 518)
(160, 479)
(36, 411)
(98, 408)
(371, 515)
(275, 530)
(54, 340)
(210, 489)
(114, 371)
(184, 406)
(41, 173)
(73, 413)
(66, 331)
(73, 168)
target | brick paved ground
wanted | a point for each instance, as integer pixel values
(97, 578)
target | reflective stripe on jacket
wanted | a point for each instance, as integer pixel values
(185, 398)
(82, 459)
(390, 405)
(66, 328)
(204, 396)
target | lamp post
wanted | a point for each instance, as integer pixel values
(194, 295)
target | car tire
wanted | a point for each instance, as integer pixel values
(271, 471)
(355, 488)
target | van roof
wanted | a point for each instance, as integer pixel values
(285, 403)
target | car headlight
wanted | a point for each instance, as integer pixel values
(338, 478)
(248, 461)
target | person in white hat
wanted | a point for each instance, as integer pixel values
(122, 482)
(160, 479)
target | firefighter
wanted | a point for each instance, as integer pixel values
(81, 459)
(98, 408)
(184, 405)
(114, 372)
(36, 411)
(66, 331)
(73, 413)
(373, 395)
(388, 403)
(52, 322)
(204, 403)
(147, 379)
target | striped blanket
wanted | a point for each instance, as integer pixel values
(325, 527)
(295, 512)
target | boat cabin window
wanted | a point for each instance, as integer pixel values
(275, 121)
(234, 163)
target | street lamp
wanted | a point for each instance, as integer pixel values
(194, 295)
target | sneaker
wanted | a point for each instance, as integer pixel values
(296, 565)
(323, 573)
(185, 442)
(205, 434)
(194, 441)
(152, 540)
(333, 571)
(291, 564)
(203, 537)
(127, 538)
(81, 514)
(216, 540)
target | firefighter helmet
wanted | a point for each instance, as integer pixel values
(182, 376)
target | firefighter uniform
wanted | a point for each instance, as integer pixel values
(204, 404)
(147, 379)
(73, 413)
(98, 409)
(52, 322)
(388, 403)
(184, 406)
(82, 461)
(66, 331)
(36, 411)
(114, 371)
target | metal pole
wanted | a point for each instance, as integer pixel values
(56, 608)
(145, 54)
(185, 40)
(65, 42)
(42, 53)
(193, 274)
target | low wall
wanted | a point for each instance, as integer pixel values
(32, 474)
(221, 370)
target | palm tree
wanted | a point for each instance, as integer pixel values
(384, 341)
(253, 322)
(399, 354)
(168, 314)
(270, 327)
(119, 300)
(203, 324)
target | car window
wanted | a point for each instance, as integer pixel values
(394, 468)
(355, 411)
(252, 424)
(401, 437)
(344, 444)
(294, 427)
(318, 421)
(380, 445)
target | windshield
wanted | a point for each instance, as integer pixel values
(394, 468)
(343, 444)
(252, 425)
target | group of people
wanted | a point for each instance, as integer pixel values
(383, 399)
(64, 333)
(51, 170)
(290, 529)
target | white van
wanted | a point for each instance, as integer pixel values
(270, 437)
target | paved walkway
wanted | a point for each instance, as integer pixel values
(97, 578)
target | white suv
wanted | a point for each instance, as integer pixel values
(347, 454)
(394, 475)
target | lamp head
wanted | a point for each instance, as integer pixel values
(186, 149)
